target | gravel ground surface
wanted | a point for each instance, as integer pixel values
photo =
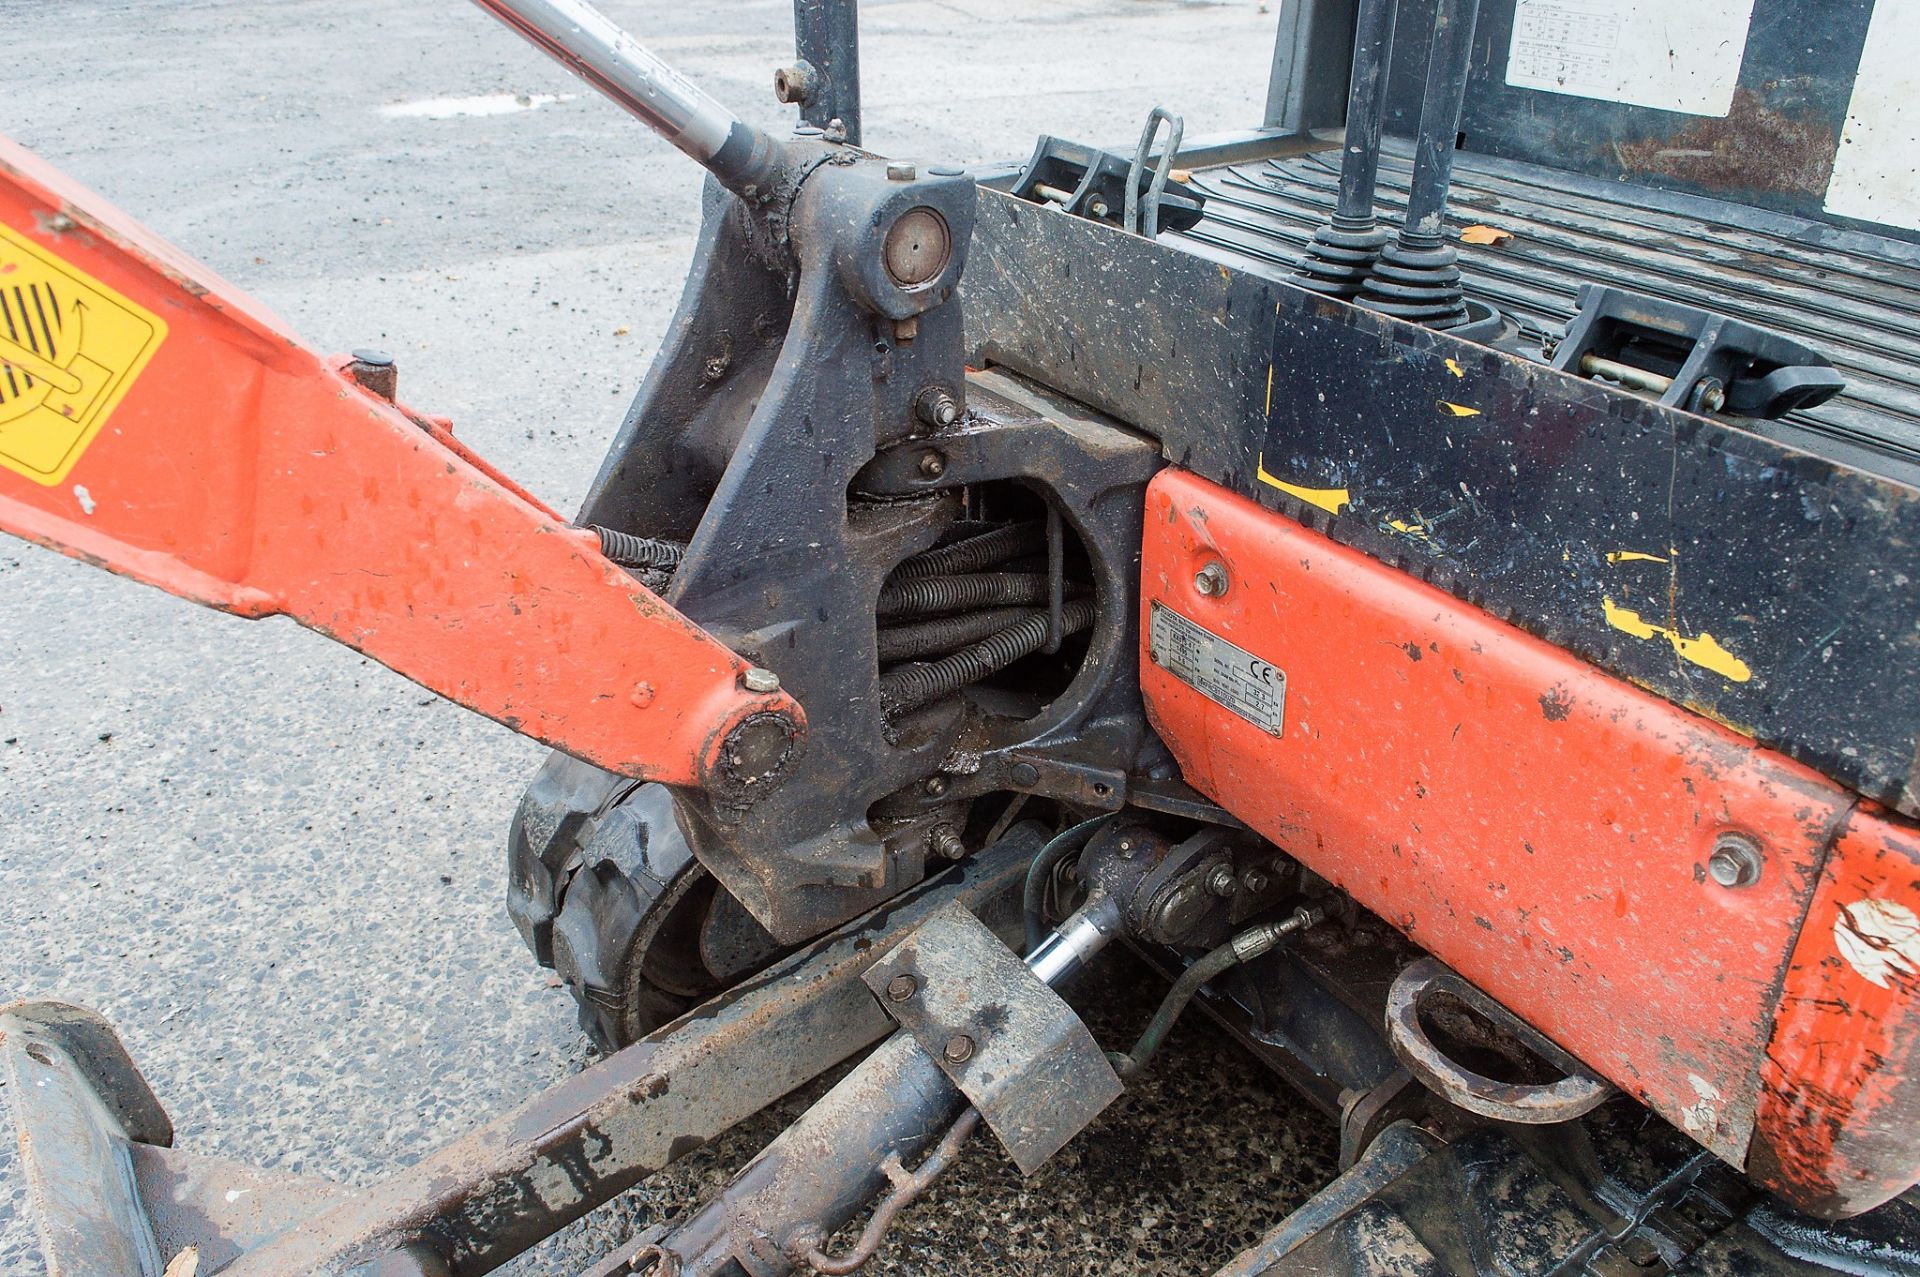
(277, 866)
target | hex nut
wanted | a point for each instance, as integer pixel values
(935, 786)
(901, 171)
(959, 1049)
(1735, 861)
(760, 680)
(1221, 881)
(933, 465)
(1211, 580)
(1255, 881)
(902, 987)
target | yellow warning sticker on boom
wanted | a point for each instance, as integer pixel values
(69, 349)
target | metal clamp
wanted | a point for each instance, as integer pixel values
(1010, 1044)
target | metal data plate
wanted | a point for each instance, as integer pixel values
(1016, 1050)
(1254, 689)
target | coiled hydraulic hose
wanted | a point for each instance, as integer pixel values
(943, 634)
(632, 551)
(974, 553)
(934, 595)
(911, 686)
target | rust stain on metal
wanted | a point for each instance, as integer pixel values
(1755, 148)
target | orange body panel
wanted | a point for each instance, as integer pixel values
(1539, 826)
(224, 461)
(1840, 1105)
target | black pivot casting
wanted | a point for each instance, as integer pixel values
(1341, 254)
(1418, 275)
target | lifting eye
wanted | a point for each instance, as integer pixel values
(917, 248)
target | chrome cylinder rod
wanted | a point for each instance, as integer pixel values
(588, 43)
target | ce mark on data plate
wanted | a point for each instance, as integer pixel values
(1254, 689)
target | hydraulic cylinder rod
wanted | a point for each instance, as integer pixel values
(589, 44)
(823, 1168)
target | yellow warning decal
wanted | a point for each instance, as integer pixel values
(69, 349)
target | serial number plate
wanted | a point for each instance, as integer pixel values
(1254, 689)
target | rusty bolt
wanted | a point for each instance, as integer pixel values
(1221, 882)
(944, 843)
(902, 987)
(836, 130)
(935, 786)
(1255, 881)
(959, 1049)
(760, 680)
(901, 171)
(1211, 580)
(376, 371)
(933, 465)
(1735, 861)
(795, 84)
(936, 407)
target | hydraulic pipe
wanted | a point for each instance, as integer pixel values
(588, 43)
(826, 36)
(829, 1163)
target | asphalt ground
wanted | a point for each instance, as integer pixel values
(276, 865)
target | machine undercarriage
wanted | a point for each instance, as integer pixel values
(1423, 657)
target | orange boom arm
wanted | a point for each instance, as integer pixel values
(160, 424)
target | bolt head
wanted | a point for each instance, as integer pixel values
(1255, 881)
(1024, 775)
(902, 987)
(1211, 580)
(1221, 882)
(933, 465)
(760, 680)
(1735, 861)
(901, 171)
(959, 1049)
(935, 786)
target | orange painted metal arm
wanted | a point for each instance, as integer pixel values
(158, 423)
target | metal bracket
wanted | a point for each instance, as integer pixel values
(1011, 1045)
(1538, 1104)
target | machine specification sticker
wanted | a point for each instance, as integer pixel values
(1673, 56)
(1254, 689)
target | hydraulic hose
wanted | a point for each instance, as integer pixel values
(974, 553)
(933, 595)
(1032, 895)
(911, 686)
(1245, 947)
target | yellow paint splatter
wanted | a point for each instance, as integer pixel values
(1458, 409)
(1405, 528)
(1634, 556)
(1332, 500)
(1454, 367)
(1704, 651)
